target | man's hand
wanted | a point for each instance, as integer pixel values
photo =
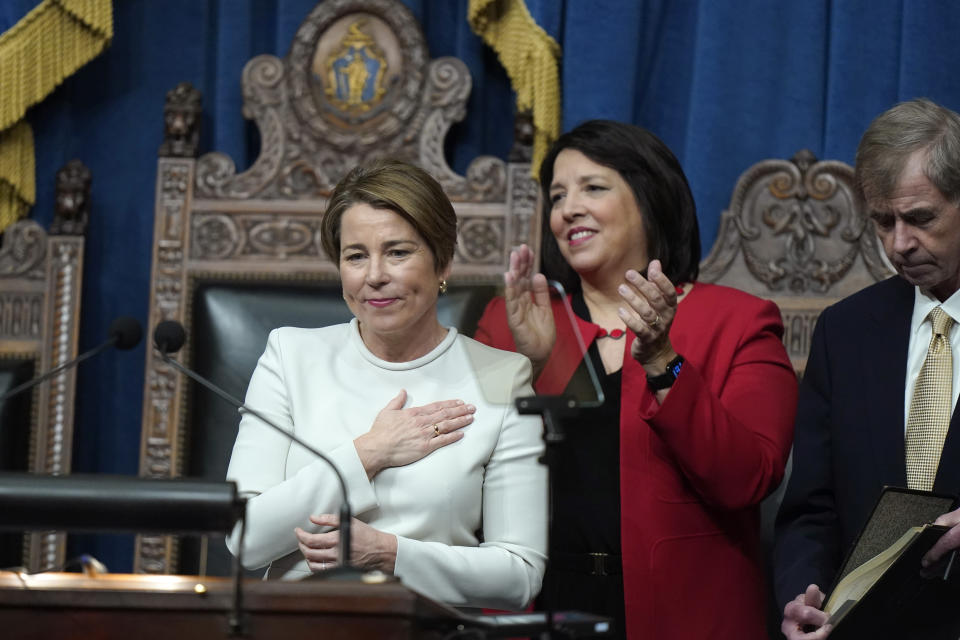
(948, 541)
(805, 610)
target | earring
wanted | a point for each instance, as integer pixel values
(443, 287)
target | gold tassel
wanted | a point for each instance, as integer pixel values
(38, 53)
(529, 56)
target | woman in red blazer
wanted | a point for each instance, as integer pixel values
(656, 519)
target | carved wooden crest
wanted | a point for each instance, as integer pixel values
(795, 234)
(357, 84)
(796, 226)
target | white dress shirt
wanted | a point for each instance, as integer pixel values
(920, 334)
(470, 518)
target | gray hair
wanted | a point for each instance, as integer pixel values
(894, 136)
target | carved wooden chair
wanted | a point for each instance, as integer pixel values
(40, 278)
(795, 234)
(237, 254)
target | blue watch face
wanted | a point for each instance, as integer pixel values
(675, 369)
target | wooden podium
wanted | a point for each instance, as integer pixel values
(144, 607)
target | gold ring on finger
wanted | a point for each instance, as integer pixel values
(655, 323)
(436, 430)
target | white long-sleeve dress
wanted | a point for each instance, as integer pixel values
(470, 518)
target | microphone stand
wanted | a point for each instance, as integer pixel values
(59, 369)
(345, 514)
(553, 409)
(124, 333)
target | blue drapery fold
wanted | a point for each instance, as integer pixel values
(725, 83)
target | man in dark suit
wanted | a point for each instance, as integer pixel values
(877, 398)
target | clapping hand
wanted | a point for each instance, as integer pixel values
(650, 305)
(529, 314)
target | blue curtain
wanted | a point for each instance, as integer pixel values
(725, 83)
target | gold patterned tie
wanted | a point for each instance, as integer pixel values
(929, 416)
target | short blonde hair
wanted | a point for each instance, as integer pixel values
(408, 191)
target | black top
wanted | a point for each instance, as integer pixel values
(586, 497)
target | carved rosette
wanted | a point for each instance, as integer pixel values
(797, 226)
(24, 251)
(480, 240)
(213, 237)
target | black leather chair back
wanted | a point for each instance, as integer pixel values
(15, 420)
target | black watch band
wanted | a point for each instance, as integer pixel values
(665, 380)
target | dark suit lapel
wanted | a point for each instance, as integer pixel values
(885, 370)
(948, 473)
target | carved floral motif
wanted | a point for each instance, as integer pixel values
(797, 226)
(481, 240)
(24, 251)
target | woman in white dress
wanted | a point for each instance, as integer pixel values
(441, 471)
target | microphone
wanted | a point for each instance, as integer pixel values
(124, 333)
(168, 337)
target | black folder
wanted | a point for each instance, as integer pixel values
(905, 602)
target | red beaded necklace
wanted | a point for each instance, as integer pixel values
(616, 334)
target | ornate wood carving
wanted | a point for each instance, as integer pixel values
(40, 285)
(21, 315)
(522, 149)
(72, 212)
(24, 251)
(794, 233)
(797, 226)
(356, 84)
(181, 122)
(163, 388)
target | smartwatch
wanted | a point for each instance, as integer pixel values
(665, 380)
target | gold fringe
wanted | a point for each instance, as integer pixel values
(45, 47)
(17, 189)
(529, 56)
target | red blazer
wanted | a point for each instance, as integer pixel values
(694, 470)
